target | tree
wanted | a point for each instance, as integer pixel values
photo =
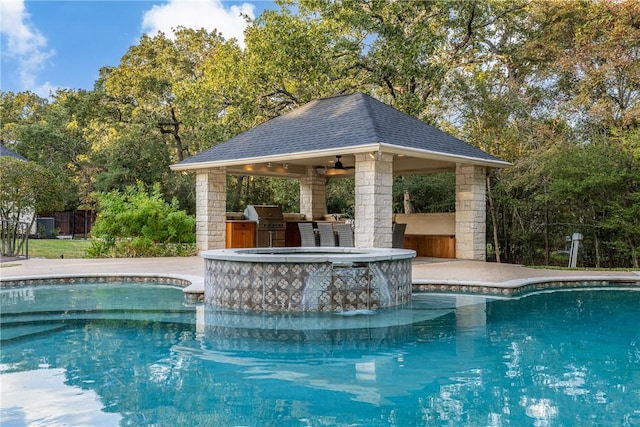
(598, 62)
(25, 189)
(154, 82)
(59, 139)
(292, 59)
(16, 109)
(596, 188)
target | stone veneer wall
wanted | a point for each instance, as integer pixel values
(313, 200)
(211, 206)
(471, 212)
(307, 286)
(374, 200)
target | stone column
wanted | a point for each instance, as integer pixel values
(313, 199)
(211, 207)
(471, 212)
(373, 204)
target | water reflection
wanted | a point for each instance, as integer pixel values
(551, 359)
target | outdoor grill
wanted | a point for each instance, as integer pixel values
(270, 227)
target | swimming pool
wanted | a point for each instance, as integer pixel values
(136, 354)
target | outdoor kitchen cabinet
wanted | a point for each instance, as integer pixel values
(240, 234)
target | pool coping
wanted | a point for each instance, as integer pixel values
(193, 286)
(518, 287)
(189, 284)
(329, 254)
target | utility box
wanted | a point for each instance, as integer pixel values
(576, 238)
(45, 227)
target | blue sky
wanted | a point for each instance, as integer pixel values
(48, 44)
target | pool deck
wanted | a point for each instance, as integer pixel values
(427, 272)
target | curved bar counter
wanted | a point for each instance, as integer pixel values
(308, 279)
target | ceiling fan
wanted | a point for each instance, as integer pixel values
(338, 167)
(338, 164)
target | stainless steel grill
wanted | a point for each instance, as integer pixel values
(270, 227)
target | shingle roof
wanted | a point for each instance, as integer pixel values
(4, 151)
(339, 122)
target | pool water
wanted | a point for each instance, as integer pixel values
(132, 354)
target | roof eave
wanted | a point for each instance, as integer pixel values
(447, 157)
(288, 157)
(378, 146)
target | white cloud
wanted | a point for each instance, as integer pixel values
(43, 397)
(196, 14)
(23, 43)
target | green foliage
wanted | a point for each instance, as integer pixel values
(133, 155)
(15, 110)
(286, 194)
(428, 193)
(136, 223)
(25, 188)
(245, 190)
(340, 195)
(592, 189)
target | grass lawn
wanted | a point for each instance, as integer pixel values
(54, 248)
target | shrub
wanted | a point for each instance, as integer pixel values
(138, 223)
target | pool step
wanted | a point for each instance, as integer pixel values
(12, 332)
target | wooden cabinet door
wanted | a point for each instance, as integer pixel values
(240, 234)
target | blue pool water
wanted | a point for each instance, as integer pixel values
(132, 354)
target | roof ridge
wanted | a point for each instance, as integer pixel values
(372, 124)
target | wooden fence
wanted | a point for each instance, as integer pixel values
(73, 223)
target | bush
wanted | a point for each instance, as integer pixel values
(140, 224)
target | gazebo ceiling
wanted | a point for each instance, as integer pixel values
(314, 134)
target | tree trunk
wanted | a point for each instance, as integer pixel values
(238, 192)
(494, 222)
(408, 205)
(547, 249)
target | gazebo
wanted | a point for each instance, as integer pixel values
(4, 151)
(354, 135)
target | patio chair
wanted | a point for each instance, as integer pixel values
(327, 236)
(397, 236)
(345, 235)
(307, 235)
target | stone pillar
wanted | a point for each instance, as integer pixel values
(313, 199)
(373, 204)
(471, 212)
(211, 207)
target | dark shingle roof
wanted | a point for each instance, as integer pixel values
(4, 151)
(337, 123)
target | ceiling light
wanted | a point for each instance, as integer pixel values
(336, 171)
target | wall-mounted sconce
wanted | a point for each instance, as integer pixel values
(269, 164)
(285, 165)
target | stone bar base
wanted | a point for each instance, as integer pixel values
(308, 279)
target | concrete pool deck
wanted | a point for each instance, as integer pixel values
(427, 272)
